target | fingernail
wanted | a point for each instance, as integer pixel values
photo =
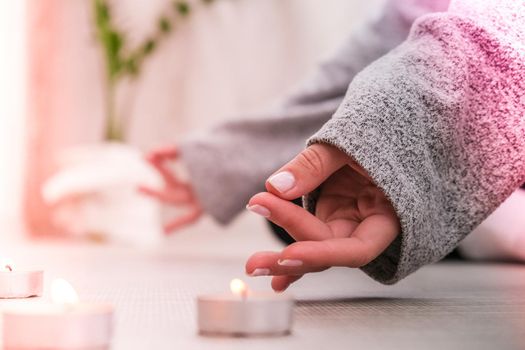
(289, 262)
(283, 181)
(259, 210)
(260, 272)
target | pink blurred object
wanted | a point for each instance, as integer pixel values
(55, 111)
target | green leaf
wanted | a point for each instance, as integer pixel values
(102, 13)
(182, 7)
(164, 25)
(115, 42)
(132, 66)
(149, 46)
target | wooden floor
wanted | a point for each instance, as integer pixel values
(445, 306)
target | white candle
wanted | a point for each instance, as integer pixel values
(244, 313)
(19, 284)
(65, 323)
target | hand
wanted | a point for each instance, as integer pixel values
(175, 192)
(353, 223)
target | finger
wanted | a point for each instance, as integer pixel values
(367, 242)
(271, 263)
(158, 160)
(183, 220)
(171, 196)
(281, 283)
(260, 263)
(306, 171)
(163, 153)
(297, 221)
(167, 174)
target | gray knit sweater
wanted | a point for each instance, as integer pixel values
(438, 123)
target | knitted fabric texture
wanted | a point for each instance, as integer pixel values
(439, 125)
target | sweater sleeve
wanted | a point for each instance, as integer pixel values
(439, 125)
(229, 163)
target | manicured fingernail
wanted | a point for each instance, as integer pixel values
(283, 181)
(260, 272)
(289, 262)
(259, 210)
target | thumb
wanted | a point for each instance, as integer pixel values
(306, 171)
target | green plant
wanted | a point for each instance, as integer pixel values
(121, 61)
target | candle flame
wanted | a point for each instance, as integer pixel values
(62, 292)
(6, 264)
(238, 287)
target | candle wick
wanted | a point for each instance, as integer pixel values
(8, 267)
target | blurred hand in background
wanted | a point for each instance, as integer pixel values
(176, 191)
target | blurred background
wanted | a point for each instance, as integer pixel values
(77, 74)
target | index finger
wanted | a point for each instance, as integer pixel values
(306, 171)
(163, 154)
(297, 221)
(158, 158)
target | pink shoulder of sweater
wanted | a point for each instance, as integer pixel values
(503, 18)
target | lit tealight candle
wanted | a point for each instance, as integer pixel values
(65, 323)
(19, 284)
(244, 313)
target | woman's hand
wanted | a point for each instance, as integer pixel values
(354, 222)
(176, 192)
